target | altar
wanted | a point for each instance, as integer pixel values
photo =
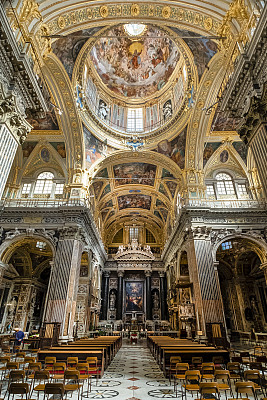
(134, 289)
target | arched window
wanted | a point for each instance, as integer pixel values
(225, 184)
(45, 186)
(44, 183)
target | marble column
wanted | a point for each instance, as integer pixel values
(105, 295)
(120, 295)
(203, 274)
(148, 296)
(162, 296)
(64, 281)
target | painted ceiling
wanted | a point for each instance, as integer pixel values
(132, 67)
(135, 189)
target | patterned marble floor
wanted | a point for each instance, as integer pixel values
(132, 375)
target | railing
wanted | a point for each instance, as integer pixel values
(234, 203)
(47, 203)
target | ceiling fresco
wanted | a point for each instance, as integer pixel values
(68, 48)
(203, 49)
(134, 201)
(135, 68)
(134, 173)
(174, 149)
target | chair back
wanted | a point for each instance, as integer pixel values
(209, 387)
(92, 361)
(181, 367)
(41, 375)
(12, 365)
(245, 387)
(72, 361)
(175, 360)
(54, 388)
(18, 388)
(4, 359)
(50, 360)
(16, 375)
(252, 374)
(71, 374)
(193, 375)
(197, 360)
(233, 366)
(83, 368)
(35, 366)
(208, 367)
(222, 374)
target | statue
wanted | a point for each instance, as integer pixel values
(121, 249)
(155, 301)
(134, 244)
(112, 301)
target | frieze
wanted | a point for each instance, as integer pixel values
(133, 11)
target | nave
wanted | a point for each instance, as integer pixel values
(135, 374)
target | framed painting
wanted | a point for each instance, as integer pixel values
(134, 293)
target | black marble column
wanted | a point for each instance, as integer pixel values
(105, 295)
(162, 296)
(148, 296)
(120, 295)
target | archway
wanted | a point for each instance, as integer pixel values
(243, 285)
(24, 284)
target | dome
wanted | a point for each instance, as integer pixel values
(135, 79)
(135, 66)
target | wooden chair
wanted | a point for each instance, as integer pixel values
(179, 375)
(41, 378)
(235, 371)
(173, 361)
(245, 387)
(93, 367)
(192, 381)
(58, 370)
(254, 376)
(222, 377)
(209, 388)
(207, 371)
(72, 381)
(197, 362)
(72, 362)
(18, 388)
(218, 362)
(49, 363)
(83, 369)
(54, 388)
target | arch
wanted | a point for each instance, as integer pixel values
(260, 249)
(18, 238)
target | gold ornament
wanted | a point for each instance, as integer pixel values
(166, 12)
(135, 10)
(208, 23)
(61, 22)
(89, 13)
(104, 11)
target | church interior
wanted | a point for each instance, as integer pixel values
(133, 185)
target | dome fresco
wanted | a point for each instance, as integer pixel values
(135, 67)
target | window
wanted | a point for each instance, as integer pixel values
(133, 233)
(225, 184)
(226, 245)
(44, 183)
(210, 190)
(135, 120)
(59, 188)
(242, 189)
(26, 188)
